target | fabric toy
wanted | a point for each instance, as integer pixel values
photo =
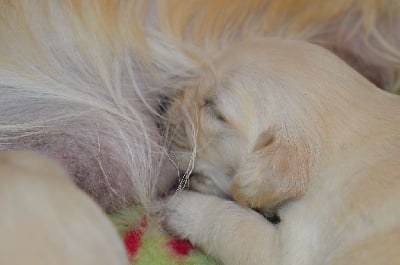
(146, 242)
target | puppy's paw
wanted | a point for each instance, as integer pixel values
(180, 213)
(193, 216)
(274, 172)
(248, 192)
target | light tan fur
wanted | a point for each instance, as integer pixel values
(365, 29)
(287, 126)
(46, 219)
(108, 63)
(81, 82)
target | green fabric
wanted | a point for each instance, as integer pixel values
(154, 247)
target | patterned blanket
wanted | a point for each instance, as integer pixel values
(147, 244)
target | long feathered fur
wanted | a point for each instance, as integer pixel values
(71, 87)
(81, 80)
(364, 29)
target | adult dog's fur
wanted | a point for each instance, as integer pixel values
(286, 126)
(46, 219)
(76, 85)
(81, 80)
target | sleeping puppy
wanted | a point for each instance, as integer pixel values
(80, 81)
(46, 219)
(283, 125)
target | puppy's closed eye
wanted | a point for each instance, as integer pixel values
(211, 107)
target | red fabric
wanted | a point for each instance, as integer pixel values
(133, 239)
(180, 246)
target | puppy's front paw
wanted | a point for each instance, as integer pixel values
(192, 215)
(248, 192)
(181, 214)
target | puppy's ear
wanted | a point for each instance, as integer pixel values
(275, 171)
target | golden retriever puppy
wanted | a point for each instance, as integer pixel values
(286, 126)
(81, 81)
(46, 219)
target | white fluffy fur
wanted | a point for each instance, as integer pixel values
(72, 95)
(294, 130)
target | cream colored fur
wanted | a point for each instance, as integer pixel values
(286, 126)
(46, 219)
(81, 82)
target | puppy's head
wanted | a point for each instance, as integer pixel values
(258, 121)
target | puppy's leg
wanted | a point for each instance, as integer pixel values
(47, 220)
(273, 173)
(223, 229)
